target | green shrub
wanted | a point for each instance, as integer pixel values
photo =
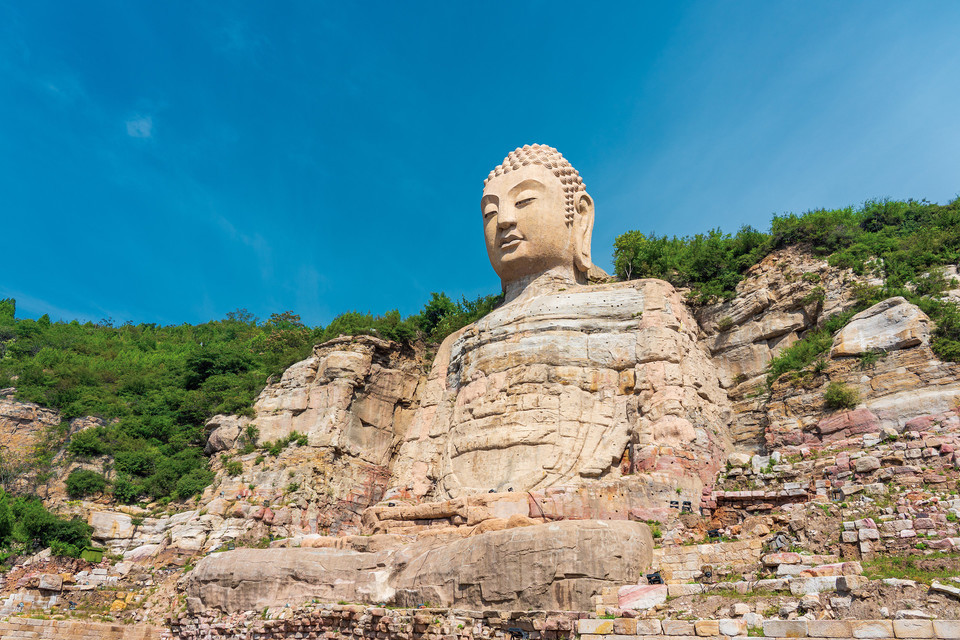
(800, 354)
(840, 396)
(88, 443)
(233, 467)
(126, 490)
(711, 264)
(816, 296)
(868, 359)
(193, 483)
(83, 482)
(655, 529)
(33, 524)
(135, 463)
(59, 548)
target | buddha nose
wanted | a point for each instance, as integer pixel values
(507, 217)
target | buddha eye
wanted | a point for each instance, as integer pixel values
(489, 210)
(522, 203)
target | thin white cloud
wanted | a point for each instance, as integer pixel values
(140, 127)
(31, 306)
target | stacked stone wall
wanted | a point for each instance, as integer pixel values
(342, 621)
(679, 564)
(36, 629)
(731, 628)
(357, 621)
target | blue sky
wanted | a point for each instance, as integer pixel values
(169, 162)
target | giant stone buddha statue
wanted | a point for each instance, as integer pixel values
(566, 382)
(595, 398)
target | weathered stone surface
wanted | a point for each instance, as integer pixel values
(730, 627)
(350, 395)
(22, 424)
(946, 629)
(50, 582)
(828, 629)
(595, 626)
(848, 423)
(641, 596)
(549, 566)
(785, 628)
(353, 400)
(551, 390)
(677, 627)
(886, 326)
(913, 629)
(866, 464)
(110, 524)
(142, 552)
(871, 628)
(224, 431)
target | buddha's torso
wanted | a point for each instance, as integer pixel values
(552, 389)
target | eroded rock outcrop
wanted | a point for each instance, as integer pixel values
(353, 400)
(886, 326)
(22, 426)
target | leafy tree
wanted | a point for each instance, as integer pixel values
(34, 524)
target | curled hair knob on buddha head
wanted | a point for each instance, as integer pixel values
(551, 159)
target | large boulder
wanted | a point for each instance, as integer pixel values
(224, 431)
(548, 566)
(545, 566)
(108, 525)
(886, 326)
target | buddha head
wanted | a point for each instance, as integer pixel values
(537, 217)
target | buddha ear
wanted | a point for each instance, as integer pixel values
(582, 231)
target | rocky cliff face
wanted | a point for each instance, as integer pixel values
(785, 295)
(658, 409)
(353, 400)
(652, 390)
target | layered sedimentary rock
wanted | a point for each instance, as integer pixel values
(548, 566)
(354, 394)
(783, 296)
(902, 380)
(354, 400)
(561, 388)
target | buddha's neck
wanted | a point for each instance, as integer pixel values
(540, 284)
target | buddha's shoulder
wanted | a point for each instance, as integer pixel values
(619, 300)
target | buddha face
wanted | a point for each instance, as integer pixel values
(526, 226)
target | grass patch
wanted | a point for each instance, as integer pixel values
(939, 566)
